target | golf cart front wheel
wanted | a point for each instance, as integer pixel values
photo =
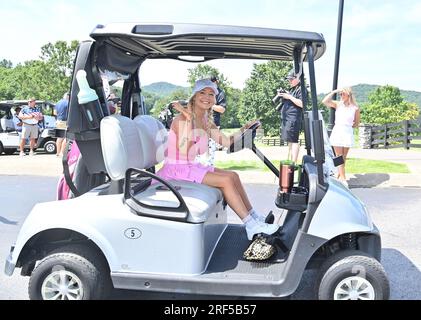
(352, 275)
(70, 273)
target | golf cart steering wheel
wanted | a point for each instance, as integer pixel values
(246, 138)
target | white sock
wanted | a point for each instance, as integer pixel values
(249, 221)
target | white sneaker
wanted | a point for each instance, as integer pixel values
(261, 227)
(22, 154)
(260, 218)
(344, 183)
(270, 217)
(31, 153)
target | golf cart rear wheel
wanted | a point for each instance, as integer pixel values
(9, 151)
(50, 147)
(73, 272)
(352, 275)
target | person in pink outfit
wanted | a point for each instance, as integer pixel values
(188, 137)
(347, 117)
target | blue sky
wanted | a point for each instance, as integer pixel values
(380, 38)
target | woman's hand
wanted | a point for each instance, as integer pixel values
(187, 112)
(328, 101)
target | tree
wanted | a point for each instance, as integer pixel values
(150, 99)
(7, 89)
(161, 103)
(230, 117)
(45, 79)
(33, 79)
(259, 90)
(202, 71)
(6, 64)
(386, 105)
(60, 56)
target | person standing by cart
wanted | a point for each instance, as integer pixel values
(292, 115)
(30, 116)
(347, 117)
(61, 123)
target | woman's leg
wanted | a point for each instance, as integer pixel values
(227, 182)
(239, 185)
(344, 155)
(339, 151)
(229, 189)
(295, 150)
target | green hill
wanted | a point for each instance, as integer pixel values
(162, 89)
(362, 91)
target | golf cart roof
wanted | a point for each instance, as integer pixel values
(6, 104)
(182, 41)
(15, 103)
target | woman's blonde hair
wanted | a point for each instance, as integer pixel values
(209, 122)
(348, 91)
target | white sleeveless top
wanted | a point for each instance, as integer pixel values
(345, 115)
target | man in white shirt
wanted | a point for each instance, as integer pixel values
(30, 115)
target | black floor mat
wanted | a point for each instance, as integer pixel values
(228, 256)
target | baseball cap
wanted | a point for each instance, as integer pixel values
(202, 84)
(291, 75)
(32, 99)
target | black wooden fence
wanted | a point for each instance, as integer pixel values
(404, 134)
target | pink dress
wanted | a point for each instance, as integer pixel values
(179, 166)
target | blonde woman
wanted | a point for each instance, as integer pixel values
(347, 117)
(188, 138)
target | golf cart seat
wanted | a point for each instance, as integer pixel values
(6, 124)
(141, 143)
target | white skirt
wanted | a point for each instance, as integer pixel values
(342, 136)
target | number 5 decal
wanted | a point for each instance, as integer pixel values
(132, 233)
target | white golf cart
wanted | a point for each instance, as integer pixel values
(10, 138)
(173, 236)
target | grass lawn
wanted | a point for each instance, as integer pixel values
(240, 165)
(353, 165)
(230, 131)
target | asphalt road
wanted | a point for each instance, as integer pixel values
(394, 210)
